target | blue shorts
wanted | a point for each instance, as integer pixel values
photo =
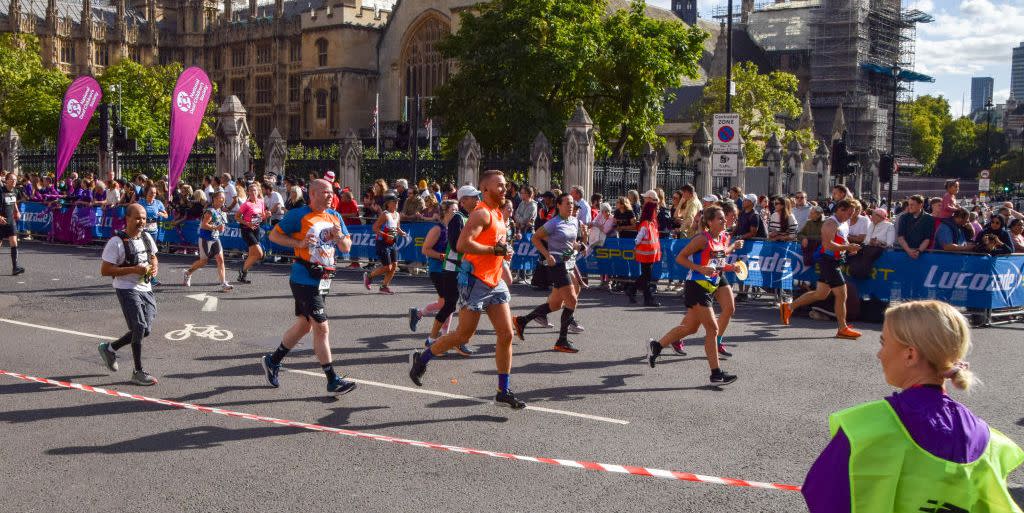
(477, 296)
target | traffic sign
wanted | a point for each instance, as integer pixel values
(726, 136)
(724, 164)
(983, 173)
(984, 184)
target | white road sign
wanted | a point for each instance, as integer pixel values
(984, 184)
(726, 133)
(724, 164)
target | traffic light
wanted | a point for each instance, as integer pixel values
(844, 161)
(402, 136)
(886, 168)
(104, 126)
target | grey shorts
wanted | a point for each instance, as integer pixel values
(139, 309)
(477, 296)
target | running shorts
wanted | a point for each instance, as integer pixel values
(387, 253)
(830, 272)
(309, 302)
(209, 248)
(695, 294)
(251, 236)
(435, 278)
(7, 230)
(478, 297)
(558, 275)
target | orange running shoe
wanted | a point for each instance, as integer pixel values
(848, 332)
(785, 311)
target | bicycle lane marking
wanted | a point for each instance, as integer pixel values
(584, 465)
(364, 382)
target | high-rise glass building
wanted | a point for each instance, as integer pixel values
(981, 91)
(1017, 73)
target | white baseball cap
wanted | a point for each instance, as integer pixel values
(467, 190)
(651, 194)
(751, 198)
(710, 198)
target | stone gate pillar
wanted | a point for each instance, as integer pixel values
(873, 160)
(795, 163)
(823, 167)
(469, 161)
(649, 175)
(10, 146)
(540, 163)
(773, 160)
(232, 134)
(350, 160)
(700, 157)
(274, 154)
(578, 151)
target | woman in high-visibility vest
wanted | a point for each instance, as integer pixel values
(647, 250)
(918, 449)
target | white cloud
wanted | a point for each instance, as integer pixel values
(964, 42)
(1000, 95)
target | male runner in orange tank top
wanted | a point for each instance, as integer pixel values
(484, 245)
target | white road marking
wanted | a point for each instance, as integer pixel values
(21, 283)
(360, 381)
(54, 279)
(210, 332)
(210, 304)
(462, 397)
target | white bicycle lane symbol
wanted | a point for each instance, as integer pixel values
(210, 332)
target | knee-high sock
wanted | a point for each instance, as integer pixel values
(563, 330)
(14, 256)
(537, 312)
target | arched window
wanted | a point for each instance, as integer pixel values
(424, 68)
(321, 104)
(321, 52)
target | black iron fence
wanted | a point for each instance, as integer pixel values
(673, 175)
(613, 177)
(441, 171)
(154, 165)
(44, 161)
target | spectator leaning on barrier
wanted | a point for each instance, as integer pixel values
(952, 233)
(782, 223)
(402, 191)
(801, 210)
(810, 233)
(883, 232)
(995, 238)
(688, 212)
(914, 231)
(860, 224)
(526, 213)
(1017, 235)
(748, 224)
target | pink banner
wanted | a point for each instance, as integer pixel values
(188, 104)
(80, 101)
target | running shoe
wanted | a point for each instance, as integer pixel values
(271, 370)
(17, 270)
(142, 378)
(785, 312)
(226, 287)
(849, 333)
(464, 350)
(519, 327)
(366, 280)
(243, 277)
(108, 356)
(340, 386)
(186, 278)
(722, 378)
(507, 398)
(653, 351)
(575, 328)
(386, 290)
(678, 346)
(565, 346)
(418, 367)
(542, 321)
(722, 353)
(414, 319)
(353, 265)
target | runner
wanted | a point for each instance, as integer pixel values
(831, 280)
(562, 234)
(387, 228)
(211, 225)
(315, 233)
(484, 246)
(705, 257)
(250, 216)
(130, 259)
(9, 216)
(434, 245)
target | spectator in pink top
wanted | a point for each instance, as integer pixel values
(949, 203)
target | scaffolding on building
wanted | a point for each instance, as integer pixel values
(862, 58)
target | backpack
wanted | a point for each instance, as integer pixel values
(131, 256)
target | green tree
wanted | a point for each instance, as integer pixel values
(30, 95)
(523, 65)
(146, 100)
(959, 149)
(929, 116)
(761, 99)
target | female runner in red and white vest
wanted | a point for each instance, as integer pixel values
(705, 257)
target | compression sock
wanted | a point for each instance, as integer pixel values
(426, 355)
(329, 372)
(14, 256)
(503, 382)
(719, 340)
(563, 330)
(540, 311)
(279, 354)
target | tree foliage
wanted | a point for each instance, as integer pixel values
(30, 95)
(928, 116)
(523, 65)
(146, 100)
(762, 100)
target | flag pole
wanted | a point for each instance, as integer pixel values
(376, 122)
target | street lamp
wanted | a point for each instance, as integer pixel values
(988, 133)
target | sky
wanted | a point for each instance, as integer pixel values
(969, 38)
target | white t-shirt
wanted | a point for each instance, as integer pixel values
(862, 227)
(271, 202)
(229, 193)
(114, 253)
(113, 197)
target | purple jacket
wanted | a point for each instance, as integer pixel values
(940, 425)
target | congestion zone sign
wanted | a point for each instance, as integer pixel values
(726, 126)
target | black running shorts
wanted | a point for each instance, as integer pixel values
(251, 236)
(209, 248)
(387, 253)
(7, 230)
(435, 278)
(309, 302)
(830, 272)
(694, 294)
(558, 275)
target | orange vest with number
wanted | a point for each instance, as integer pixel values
(488, 268)
(648, 250)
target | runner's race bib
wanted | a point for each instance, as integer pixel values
(325, 286)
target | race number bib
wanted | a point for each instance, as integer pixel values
(151, 226)
(325, 286)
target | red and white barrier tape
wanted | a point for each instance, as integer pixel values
(587, 465)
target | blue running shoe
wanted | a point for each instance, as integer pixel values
(414, 319)
(270, 370)
(340, 386)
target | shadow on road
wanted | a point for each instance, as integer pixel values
(199, 437)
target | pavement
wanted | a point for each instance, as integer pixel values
(64, 448)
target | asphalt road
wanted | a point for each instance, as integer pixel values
(66, 449)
